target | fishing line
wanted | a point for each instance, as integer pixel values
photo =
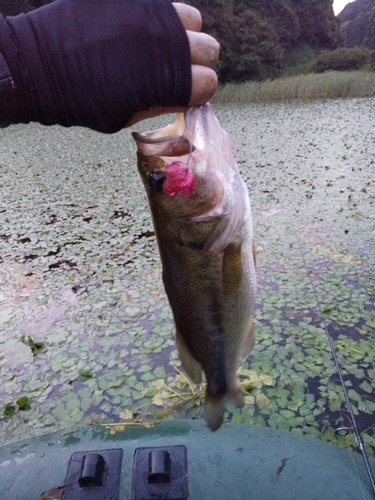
(338, 368)
(190, 151)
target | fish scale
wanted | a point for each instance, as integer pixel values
(205, 239)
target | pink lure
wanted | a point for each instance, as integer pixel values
(179, 179)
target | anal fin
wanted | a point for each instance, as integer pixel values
(192, 367)
(236, 396)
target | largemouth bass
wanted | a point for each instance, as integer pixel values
(202, 219)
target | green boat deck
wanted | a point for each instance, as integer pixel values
(237, 462)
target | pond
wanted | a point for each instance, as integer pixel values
(86, 332)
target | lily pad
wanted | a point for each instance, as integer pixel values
(95, 258)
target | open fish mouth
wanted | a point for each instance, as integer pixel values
(166, 141)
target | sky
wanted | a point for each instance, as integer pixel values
(338, 5)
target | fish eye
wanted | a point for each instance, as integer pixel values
(157, 179)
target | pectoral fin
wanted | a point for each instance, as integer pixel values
(254, 255)
(232, 268)
(191, 365)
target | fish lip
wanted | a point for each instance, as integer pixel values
(144, 138)
(171, 132)
(174, 145)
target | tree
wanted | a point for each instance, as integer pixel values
(360, 32)
(343, 59)
(14, 7)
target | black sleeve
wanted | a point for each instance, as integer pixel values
(92, 63)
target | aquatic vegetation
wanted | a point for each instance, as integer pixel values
(80, 274)
(329, 85)
(35, 347)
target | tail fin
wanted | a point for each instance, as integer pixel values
(214, 412)
(215, 407)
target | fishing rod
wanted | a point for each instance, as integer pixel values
(339, 372)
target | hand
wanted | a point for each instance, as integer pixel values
(204, 52)
(75, 63)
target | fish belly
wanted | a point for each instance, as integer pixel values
(212, 299)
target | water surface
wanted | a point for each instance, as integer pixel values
(86, 333)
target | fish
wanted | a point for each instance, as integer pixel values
(202, 219)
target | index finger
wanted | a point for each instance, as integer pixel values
(190, 16)
(204, 49)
